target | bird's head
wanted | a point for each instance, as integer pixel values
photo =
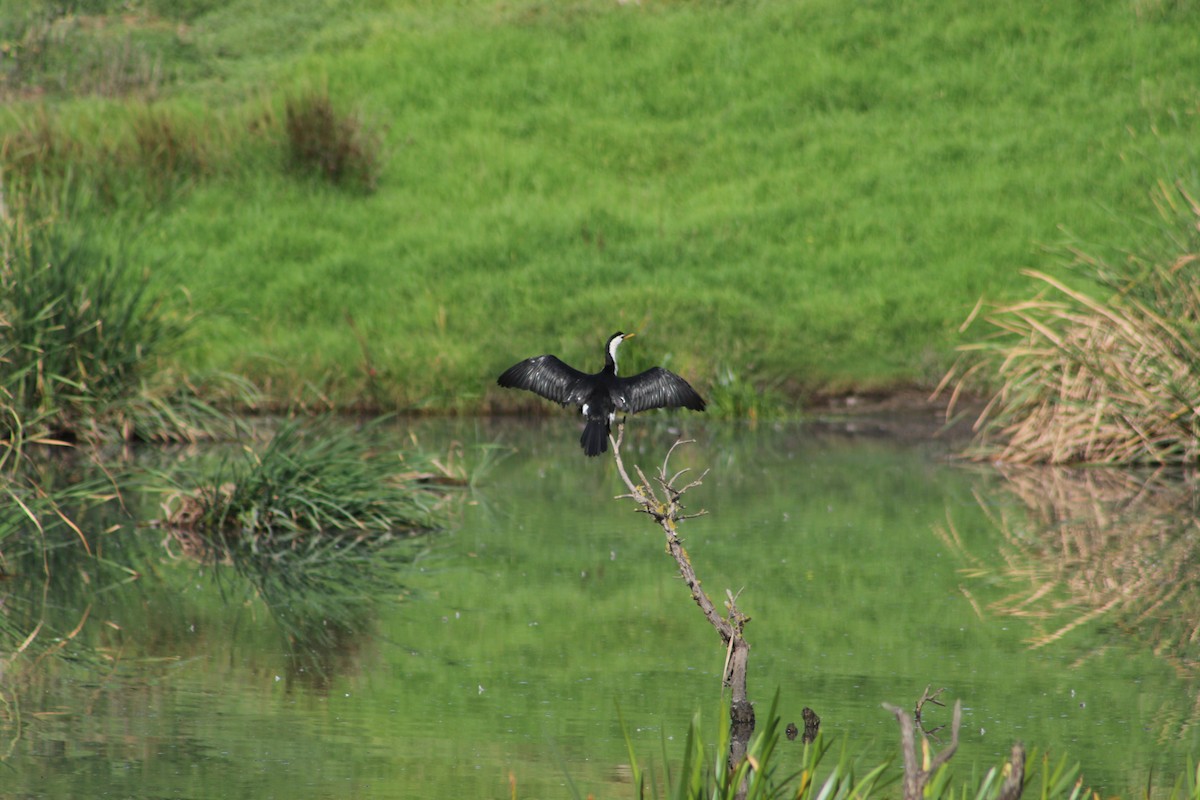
(613, 342)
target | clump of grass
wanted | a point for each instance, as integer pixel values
(732, 396)
(1113, 380)
(169, 149)
(319, 522)
(333, 145)
(148, 155)
(306, 483)
(81, 337)
(60, 48)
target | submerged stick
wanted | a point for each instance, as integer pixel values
(665, 506)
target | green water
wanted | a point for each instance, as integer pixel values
(872, 566)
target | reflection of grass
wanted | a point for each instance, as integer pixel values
(1103, 547)
(48, 558)
(318, 522)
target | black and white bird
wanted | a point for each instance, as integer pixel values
(602, 395)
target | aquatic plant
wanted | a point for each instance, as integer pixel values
(1113, 380)
(319, 522)
(311, 478)
(769, 771)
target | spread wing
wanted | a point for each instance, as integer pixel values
(659, 388)
(549, 377)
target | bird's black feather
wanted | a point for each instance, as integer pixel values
(659, 388)
(594, 439)
(549, 377)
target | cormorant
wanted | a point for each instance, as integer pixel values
(602, 395)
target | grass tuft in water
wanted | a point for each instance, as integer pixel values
(310, 479)
(319, 522)
(1087, 380)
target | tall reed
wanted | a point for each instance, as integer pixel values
(1113, 379)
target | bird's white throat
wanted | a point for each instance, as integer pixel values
(612, 350)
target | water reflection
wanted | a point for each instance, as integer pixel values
(871, 566)
(1113, 552)
(1108, 547)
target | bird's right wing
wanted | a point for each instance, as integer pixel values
(549, 377)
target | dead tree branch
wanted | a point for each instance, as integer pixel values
(665, 506)
(1014, 781)
(915, 777)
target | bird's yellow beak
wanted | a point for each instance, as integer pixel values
(628, 336)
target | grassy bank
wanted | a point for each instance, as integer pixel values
(804, 196)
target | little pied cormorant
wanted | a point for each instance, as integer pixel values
(602, 395)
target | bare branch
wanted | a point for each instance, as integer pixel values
(915, 778)
(1014, 782)
(926, 697)
(667, 510)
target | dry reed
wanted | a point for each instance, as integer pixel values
(1087, 380)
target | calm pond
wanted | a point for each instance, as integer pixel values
(1061, 607)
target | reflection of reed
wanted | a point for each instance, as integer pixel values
(1115, 546)
(1112, 544)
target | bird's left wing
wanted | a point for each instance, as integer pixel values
(547, 376)
(658, 387)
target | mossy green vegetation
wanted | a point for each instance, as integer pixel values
(810, 193)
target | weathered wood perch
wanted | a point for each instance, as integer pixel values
(916, 775)
(666, 508)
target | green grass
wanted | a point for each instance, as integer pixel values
(308, 480)
(811, 193)
(84, 339)
(823, 775)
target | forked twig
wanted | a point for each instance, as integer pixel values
(915, 777)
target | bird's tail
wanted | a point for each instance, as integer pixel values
(595, 437)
